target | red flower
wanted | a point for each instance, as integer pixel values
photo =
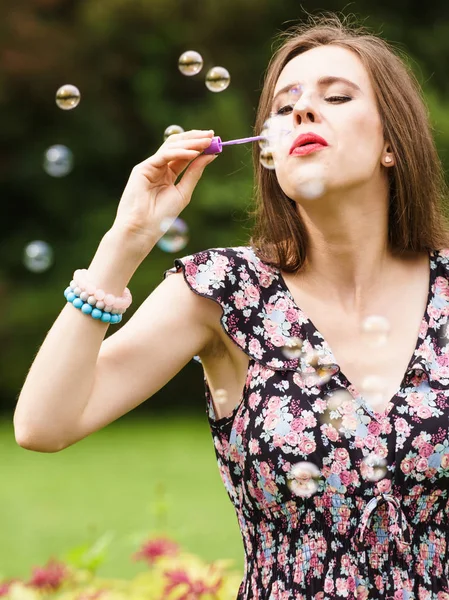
(49, 577)
(5, 585)
(195, 588)
(154, 549)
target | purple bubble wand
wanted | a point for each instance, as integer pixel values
(216, 145)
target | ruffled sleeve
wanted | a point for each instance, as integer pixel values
(247, 290)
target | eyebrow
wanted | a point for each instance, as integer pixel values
(322, 81)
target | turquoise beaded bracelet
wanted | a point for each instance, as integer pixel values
(88, 309)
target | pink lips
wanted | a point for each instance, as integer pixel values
(307, 143)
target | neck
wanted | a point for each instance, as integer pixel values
(348, 252)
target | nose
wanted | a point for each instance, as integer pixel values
(303, 110)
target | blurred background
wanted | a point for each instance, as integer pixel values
(155, 468)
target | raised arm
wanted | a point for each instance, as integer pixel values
(80, 382)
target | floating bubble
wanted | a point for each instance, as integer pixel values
(58, 160)
(68, 97)
(175, 236)
(190, 63)
(340, 407)
(38, 256)
(220, 396)
(321, 375)
(274, 132)
(304, 479)
(287, 100)
(312, 183)
(375, 330)
(373, 467)
(172, 130)
(373, 390)
(217, 79)
(292, 348)
(267, 158)
(265, 132)
(294, 94)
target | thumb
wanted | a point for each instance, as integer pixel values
(193, 174)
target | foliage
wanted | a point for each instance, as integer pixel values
(122, 54)
(172, 574)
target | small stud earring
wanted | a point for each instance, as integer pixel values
(388, 159)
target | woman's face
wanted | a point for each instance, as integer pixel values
(326, 91)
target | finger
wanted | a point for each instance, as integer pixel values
(164, 155)
(178, 166)
(186, 135)
(192, 175)
(192, 144)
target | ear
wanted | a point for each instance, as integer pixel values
(387, 159)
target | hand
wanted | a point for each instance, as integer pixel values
(151, 195)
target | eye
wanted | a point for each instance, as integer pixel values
(338, 99)
(284, 110)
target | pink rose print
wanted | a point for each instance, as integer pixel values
(407, 466)
(255, 348)
(423, 412)
(401, 426)
(254, 447)
(191, 269)
(281, 305)
(291, 315)
(278, 341)
(341, 454)
(426, 450)
(274, 403)
(383, 486)
(271, 420)
(253, 294)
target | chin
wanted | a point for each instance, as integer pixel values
(307, 189)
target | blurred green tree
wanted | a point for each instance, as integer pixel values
(122, 54)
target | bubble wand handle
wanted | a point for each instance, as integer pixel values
(217, 145)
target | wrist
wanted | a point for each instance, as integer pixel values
(115, 261)
(136, 242)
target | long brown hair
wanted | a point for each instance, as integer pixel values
(417, 186)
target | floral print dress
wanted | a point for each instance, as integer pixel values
(354, 537)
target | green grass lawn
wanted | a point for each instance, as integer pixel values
(114, 481)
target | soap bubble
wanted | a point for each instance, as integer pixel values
(266, 158)
(373, 390)
(340, 409)
(287, 99)
(265, 132)
(292, 348)
(58, 160)
(304, 479)
(321, 375)
(220, 396)
(175, 236)
(38, 256)
(375, 330)
(274, 132)
(190, 63)
(293, 94)
(68, 97)
(373, 467)
(217, 79)
(312, 183)
(171, 130)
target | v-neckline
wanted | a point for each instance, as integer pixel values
(315, 331)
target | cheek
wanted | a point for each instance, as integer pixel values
(364, 138)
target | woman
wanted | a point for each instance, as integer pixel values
(370, 240)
